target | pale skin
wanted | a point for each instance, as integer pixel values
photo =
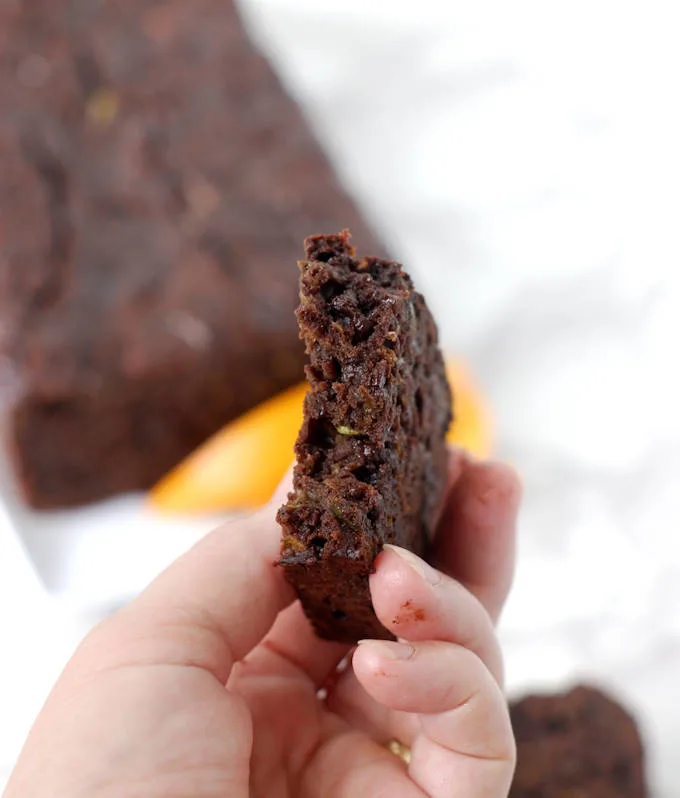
(206, 686)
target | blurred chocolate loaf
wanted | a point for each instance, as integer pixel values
(156, 183)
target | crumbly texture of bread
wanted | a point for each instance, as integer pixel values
(580, 743)
(371, 453)
(155, 182)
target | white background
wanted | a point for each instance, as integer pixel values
(522, 159)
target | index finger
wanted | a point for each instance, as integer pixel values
(208, 609)
(476, 537)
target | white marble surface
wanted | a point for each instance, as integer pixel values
(523, 159)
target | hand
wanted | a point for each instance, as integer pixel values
(142, 709)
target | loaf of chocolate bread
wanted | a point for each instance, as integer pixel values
(579, 743)
(371, 454)
(155, 184)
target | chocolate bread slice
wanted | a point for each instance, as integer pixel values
(371, 453)
(579, 743)
(155, 179)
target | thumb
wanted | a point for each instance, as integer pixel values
(208, 609)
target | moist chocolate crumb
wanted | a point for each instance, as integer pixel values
(371, 453)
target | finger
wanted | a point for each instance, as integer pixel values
(466, 746)
(283, 489)
(458, 460)
(292, 645)
(208, 609)
(349, 701)
(475, 540)
(350, 765)
(417, 602)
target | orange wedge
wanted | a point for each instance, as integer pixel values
(241, 465)
(471, 427)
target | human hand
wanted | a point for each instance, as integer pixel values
(142, 709)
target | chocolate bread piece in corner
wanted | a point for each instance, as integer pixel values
(371, 453)
(578, 743)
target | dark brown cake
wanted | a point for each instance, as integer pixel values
(579, 744)
(155, 184)
(371, 454)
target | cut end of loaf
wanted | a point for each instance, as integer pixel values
(370, 454)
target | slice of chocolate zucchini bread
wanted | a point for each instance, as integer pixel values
(371, 453)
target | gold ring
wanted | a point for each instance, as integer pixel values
(400, 750)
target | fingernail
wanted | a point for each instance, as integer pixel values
(388, 650)
(429, 574)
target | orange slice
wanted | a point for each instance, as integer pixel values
(471, 426)
(241, 465)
